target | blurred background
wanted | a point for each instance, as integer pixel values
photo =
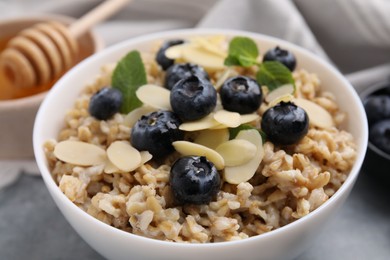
(354, 35)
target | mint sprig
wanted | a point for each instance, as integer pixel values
(274, 74)
(128, 76)
(243, 52)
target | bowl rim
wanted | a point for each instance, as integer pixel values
(41, 17)
(49, 181)
(364, 95)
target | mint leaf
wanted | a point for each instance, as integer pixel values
(274, 74)
(233, 132)
(246, 61)
(231, 61)
(242, 52)
(128, 76)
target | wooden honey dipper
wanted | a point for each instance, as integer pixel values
(41, 53)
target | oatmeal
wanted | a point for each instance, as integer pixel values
(190, 160)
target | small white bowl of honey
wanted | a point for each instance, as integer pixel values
(18, 105)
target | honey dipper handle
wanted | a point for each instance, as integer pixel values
(98, 14)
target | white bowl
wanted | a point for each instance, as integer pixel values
(284, 243)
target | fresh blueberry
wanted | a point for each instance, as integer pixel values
(377, 108)
(283, 56)
(194, 180)
(182, 71)
(105, 103)
(155, 133)
(193, 98)
(380, 135)
(241, 94)
(161, 59)
(285, 123)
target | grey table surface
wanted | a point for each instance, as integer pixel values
(31, 226)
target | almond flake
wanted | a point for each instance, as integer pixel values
(280, 91)
(236, 152)
(318, 116)
(187, 148)
(217, 39)
(218, 106)
(176, 51)
(208, 61)
(212, 138)
(219, 127)
(244, 172)
(284, 98)
(201, 124)
(247, 118)
(145, 157)
(154, 96)
(109, 167)
(211, 47)
(132, 117)
(230, 119)
(124, 156)
(80, 153)
(225, 75)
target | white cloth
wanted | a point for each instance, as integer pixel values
(353, 34)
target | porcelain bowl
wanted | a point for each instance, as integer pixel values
(284, 243)
(377, 162)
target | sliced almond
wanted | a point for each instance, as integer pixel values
(236, 152)
(217, 39)
(145, 157)
(230, 119)
(244, 172)
(219, 127)
(124, 156)
(80, 153)
(187, 148)
(247, 118)
(212, 138)
(154, 96)
(280, 91)
(318, 116)
(110, 167)
(132, 117)
(210, 46)
(201, 124)
(204, 59)
(225, 75)
(219, 104)
(176, 51)
(284, 98)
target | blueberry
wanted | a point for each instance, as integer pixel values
(285, 123)
(182, 71)
(155, 133)
(161, 59)
(377, 108)
(194, 180)
(380, 135)
(105, 103)
(241, 94)
(283, 56)
(193, 98)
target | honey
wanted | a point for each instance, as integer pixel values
(9, 91)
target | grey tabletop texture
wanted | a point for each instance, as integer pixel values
(31, 226)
